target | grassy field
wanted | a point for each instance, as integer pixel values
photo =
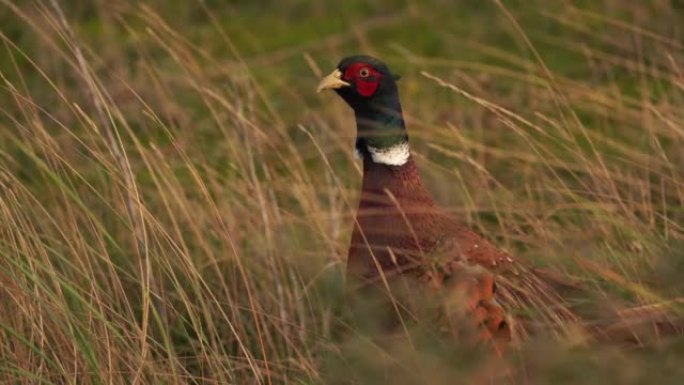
(176, 200)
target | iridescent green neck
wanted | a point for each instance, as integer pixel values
(381, 133)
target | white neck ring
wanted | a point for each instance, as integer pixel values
(396, 155)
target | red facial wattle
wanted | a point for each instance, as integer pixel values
(364, 77)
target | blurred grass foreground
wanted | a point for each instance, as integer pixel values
(176, 201)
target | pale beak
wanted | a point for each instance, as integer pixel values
(332, 81)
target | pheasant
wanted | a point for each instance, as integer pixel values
(400, 231)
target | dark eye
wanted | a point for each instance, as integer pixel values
(364, 72)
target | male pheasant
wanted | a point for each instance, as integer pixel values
(399, 230)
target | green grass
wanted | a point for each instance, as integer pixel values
(176, 200)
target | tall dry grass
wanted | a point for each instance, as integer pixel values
(174, 214)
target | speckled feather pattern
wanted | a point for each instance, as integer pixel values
(396, 212)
